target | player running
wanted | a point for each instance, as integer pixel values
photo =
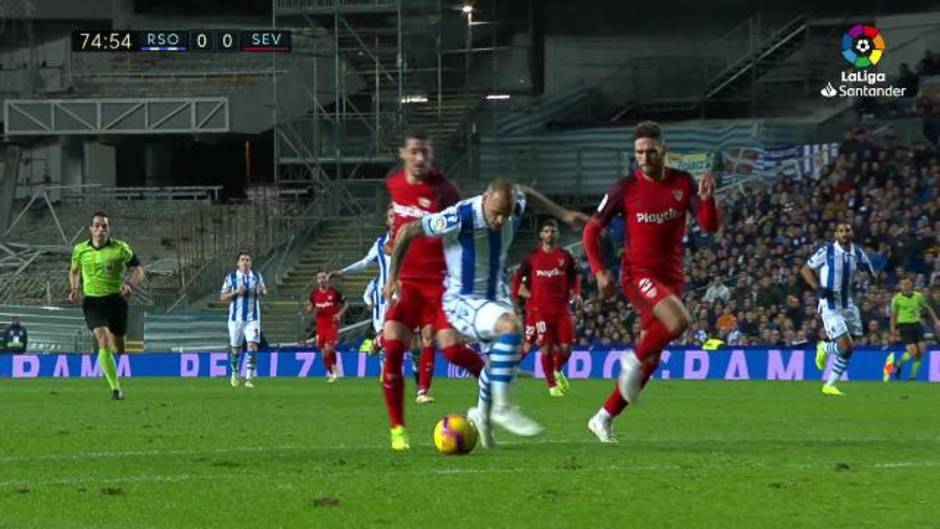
(330, 306)
(378, 254)
(477, 233)
(417, 190)
(907, 310)
(98, 264)
(837, 262)
(243, 289)
(654, 201)
(549, 279)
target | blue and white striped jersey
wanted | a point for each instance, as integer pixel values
(837, 268)
(244, 308)
(373, 296)
(375, 255)
(475, 254)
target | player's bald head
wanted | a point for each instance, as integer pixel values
(498, 202)
(500, 186)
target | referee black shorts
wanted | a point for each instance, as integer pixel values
(911, 333)
(106, 311)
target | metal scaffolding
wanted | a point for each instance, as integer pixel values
(389, 64)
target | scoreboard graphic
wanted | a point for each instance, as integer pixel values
(198, 41)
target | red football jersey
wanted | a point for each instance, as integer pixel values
(327, 303)
(425, 258)
(550, 278)
(654, 217)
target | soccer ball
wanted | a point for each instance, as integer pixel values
(454, 434)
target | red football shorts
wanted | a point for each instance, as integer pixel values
(327, 333)
(645, 291)
(419, 304)
(555, 327)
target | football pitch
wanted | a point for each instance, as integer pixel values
(301, 453)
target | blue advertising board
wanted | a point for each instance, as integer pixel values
(678, 363)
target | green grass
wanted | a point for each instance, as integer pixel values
(186, 453)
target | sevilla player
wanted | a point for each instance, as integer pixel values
(550, 277)
(654, 201)
(330, 306)
(417, 189)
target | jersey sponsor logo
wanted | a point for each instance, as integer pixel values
(659, 217)
(409, 211)
(600, 207)
(554, 272)
(647, 288)
(677, 194)
(324, 304)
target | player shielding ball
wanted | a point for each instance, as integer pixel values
(549, 279)
(836, 263)
(654, 201)
(329, 306)
(98, 267)
(907, 311)
(477, 233)
(243, 289)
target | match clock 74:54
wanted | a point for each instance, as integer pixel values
(104, 40)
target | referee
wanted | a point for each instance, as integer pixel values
(907, 307)
(99, 265)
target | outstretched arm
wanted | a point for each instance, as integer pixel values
(403, 241)
(704, 205)
(572, 218)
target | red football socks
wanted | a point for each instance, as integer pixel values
(465, 357)
(426, 368)
(329, 360)
(548, 365)
(393, 386)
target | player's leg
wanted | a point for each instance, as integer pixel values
(547, 359)
(236, 335)
(107, 316)
(426, 365)
(917, 357)
(502, 365)
(329, 359)
(564, 336)
(841, 325)
(106, 359)
(664, 318)
(403, 316)
(253, 337)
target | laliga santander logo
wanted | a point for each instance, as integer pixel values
(863, 46)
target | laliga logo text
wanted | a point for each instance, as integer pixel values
(863, 46)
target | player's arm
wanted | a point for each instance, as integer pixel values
(135, 272)
(75, 275)
(370, 258)
(574, 282)
(226, 293)
(933, 315)
(570, 217)
(893, 322)
(704, 206)
(344, 306)
(406, 235)
(260, 287)
(808, 272)
(611, 206)
(522, 279)
(310, 307)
